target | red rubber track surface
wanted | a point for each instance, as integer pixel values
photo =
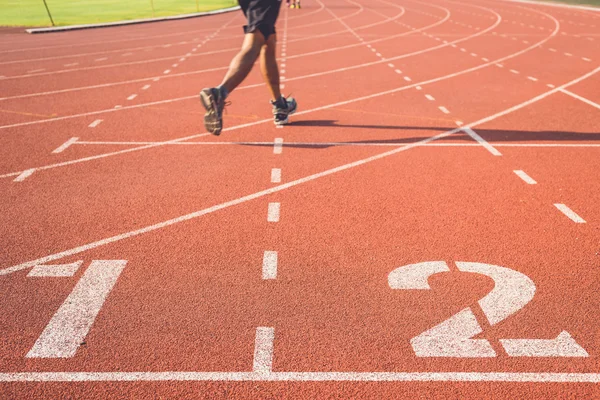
(417, 122)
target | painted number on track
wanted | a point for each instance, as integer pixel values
(454, 336)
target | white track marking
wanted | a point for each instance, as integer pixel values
(133, 96)
(95, 123)
(70, 324)
(569, 213)
(563, 346)
(167, 71)
(444, 110)
(275, 175)
(531, 78)
(197, 214)
(273, 212)
(459, 123)
(415, 276)
(407, 79)
(126, 54)
(118, 106)
(481, 141)
(521, 174)
(578, 97)
(552, 50)
(278, 146)
(101, 59)
(175, 65)
(269, 267)
(71, 65)
(65, 145)
(514, 71)
(190, 376)
(398, 71)
(586, 59)
(568, 54)
(511, 292)
(551, 86)
(391, 65)
(36, 70)
(263, 350)
(55, 271)
(145, 87)
(24, 175)
(429, 97)
(485, 59)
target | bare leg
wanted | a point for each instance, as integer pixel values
(242, 63)
(268, 67)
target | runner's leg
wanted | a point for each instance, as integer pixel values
(268, 67)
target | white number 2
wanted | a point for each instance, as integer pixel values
(453, 337)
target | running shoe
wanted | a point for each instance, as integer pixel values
(298, 5)
(214, 102)
(293, 6)
(282, 109)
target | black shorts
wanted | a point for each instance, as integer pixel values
(261, 15)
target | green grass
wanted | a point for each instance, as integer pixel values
(73, 12)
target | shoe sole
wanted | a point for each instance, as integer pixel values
(287, 120)
(212, 124)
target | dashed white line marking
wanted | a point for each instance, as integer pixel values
(145, 87)
(263, 350)
(474, 54)
(273, 212)
(24, 175)
(55, 271)
(552, 50)
(155, 79)
(118, 106)
(282, 86)
(482, 141)
(586, 59)
(276, 175)
(95, 123)
(175, 65)
(459, 123)
(69, 326)
(418, 87)
(430, 97)
(514, 71)
(182, 59)
(269, 267)
(398, 71)
(500, 65)
(71, 64)
(531, 78)
(551, 86)
(391, 65)
(278, 146)
(126, 54)
(133, 96)
(568, 54)
(463, 50)
(444, 110)
(485, 59)
(378, 55)
(65, 145)
(167, 71)
(101, 59)
(569, 213)
(521, 174)
(407, 79)
(36, 70)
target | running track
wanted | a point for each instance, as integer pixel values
(428, 226)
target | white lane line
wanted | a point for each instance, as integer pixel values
(569, 213)
(145, 87)
(521, 174)
(167, 71)
(182, 59)
(444, 110)
(578, 97)
(95, 123)
(269, 267)
(190, 376)
(133, 96)
(36, 70)
(276, 175)
(126, 54)
(481, 141)
(429, 97)
(156, 79)
(101, 59)
(71, 64)
(55, 271)
(118, 106)
(531, 78)
(65, 145)
(24, 175)
(71, 323)
(273, 212)
(278, 146)
(263, 350)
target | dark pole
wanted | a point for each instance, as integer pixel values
(48, 11)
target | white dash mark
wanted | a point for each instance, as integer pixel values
(551, 86)
(24, 175)
(155, 79)
(282, 86)
(69, 326)
(182, 59)
(398, 71)
(167, 71)
(459, 123)
(118, 106)
(36, 70)
(521, 174)
(552, 50)
(133, 96)
(55, 271)
(463, 50)
(406, 78)
(485, 59)
(482, 141)
(175, 65)
(263, 350)
(500, 65)
(514, 71)
(278, 146)
(126, 54)
(568, 54)
(474, 54)
(273, 212)
(71, 64)
(95, 123)
(101, 59)
(531, 78)
(569, 213)
(391, 65)
(418, 88)
(65, 145)
(444, 110)
(145, 87)
(586, 59)
(378, 55)
(430, 97)
(276, 175)
(269, 268)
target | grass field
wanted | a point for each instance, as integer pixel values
(72, 12)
